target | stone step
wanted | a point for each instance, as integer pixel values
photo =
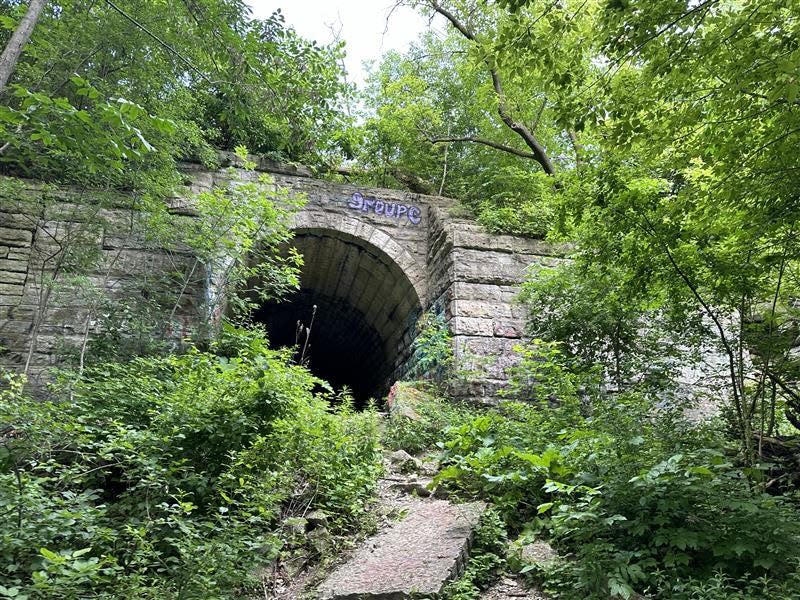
(414, 558)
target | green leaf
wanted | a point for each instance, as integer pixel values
(543, 508)
(50, 555)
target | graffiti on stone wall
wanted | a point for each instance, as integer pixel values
(389, 209)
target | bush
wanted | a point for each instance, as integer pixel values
(488, 458)
(418, 418)
(639, 499)
(432, 348)
(169, 477)
(689, 515)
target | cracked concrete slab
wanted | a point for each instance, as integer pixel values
(414, 558)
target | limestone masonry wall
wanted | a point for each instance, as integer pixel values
(478, 277)
(381, 255)
(48, 306)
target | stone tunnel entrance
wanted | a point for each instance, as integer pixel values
(366, 312)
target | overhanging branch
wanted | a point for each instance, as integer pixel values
(537, 150)
(485, 142)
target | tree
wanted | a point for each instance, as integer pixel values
(223, 78)
(480, 120)
(695, 182)
(681, 185)
(13, 50)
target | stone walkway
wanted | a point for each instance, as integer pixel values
(423, 544)
(415, 557)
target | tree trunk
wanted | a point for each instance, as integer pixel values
(8, 61)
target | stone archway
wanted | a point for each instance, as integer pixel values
(368, 293)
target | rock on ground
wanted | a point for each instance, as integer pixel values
(538, 552)
(415, 557)
(507, 588)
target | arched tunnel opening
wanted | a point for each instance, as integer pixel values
(366, 311)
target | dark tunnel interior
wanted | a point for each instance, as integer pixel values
(365, 316)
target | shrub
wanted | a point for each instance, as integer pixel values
(168, 477)
(484, 458)
(432, 348)
(418, 418)
(639, 499)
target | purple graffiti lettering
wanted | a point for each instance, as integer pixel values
(356, 202)
(381, 207)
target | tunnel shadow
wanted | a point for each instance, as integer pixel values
(366, 310)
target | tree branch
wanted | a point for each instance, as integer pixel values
(738, 394)
(577, 147)
(485, 142)
(160, 41)
(538, 152)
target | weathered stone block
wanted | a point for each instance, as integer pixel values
(490, 356)
(475, 237)
(11, 289)
(483, 310)
(478, 266)
(471, 326)
(13, 277)
(14, 266)
(416, 557)
(507, 329)
(16, 220)
(480, 292)
(18, 254)
(15, 237)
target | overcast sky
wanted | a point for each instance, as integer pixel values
(362, 24)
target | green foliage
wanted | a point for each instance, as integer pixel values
(518, 202)
(432, 348)
(541, 377)
(420, 431)
(169, 477)
(603, 327)
(687, 515)
(669, 125)
(238, 237)
(638, 498)
(222, 78)
(486, 560)
(723, 587)
(588, 313)
(100, 138)
(434, 111)
(672, 127)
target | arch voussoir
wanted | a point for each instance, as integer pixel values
(366, 234)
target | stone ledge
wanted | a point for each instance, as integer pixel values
(229, 159)
(16, 237)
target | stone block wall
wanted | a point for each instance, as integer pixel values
(50, 302)
(387, 255)
(477, 277)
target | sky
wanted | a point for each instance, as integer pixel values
(361, 23)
